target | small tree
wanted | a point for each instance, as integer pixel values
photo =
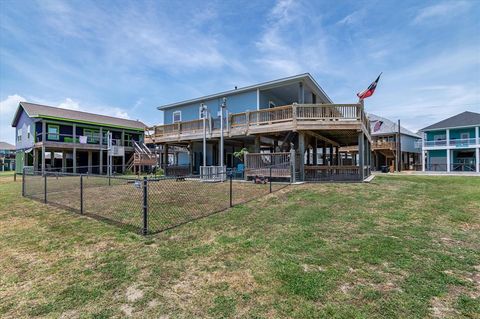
(240, 154)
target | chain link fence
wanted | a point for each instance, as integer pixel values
(145, 205)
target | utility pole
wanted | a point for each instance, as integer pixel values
(222, 107)
(204, 116)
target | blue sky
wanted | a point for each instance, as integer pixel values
(124, 58)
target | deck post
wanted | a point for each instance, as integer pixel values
(64, 161)
(315, 151)
(301, 150)
(165, 158)
(89, 162)
(44, 139)
(292, 164)
(74, 131)
(361, 155)
(100, 158)
(257, 143)
(35, 159)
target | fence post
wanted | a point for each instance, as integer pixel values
(231, 190)
(45, 188)
(23, 182)
(145, 206)
(81, 194)
(270, 179)
(14, 176)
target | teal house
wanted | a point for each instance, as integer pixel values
(452, 145)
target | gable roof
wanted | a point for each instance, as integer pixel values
(45, 111)
(388, 127)
(6, 146)
(460, 120)
(265, 85)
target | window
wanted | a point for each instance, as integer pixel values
(271, 104)
(177, 116)
(19, 135)
(28, 132)
(440, 137)
(465, 136)
(93, 136)
(53, 132)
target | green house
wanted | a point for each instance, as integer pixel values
(56, 139)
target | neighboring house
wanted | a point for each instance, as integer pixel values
(269, 118)
(7, 156)
(452, 145)
(56, 139)
(385, 147)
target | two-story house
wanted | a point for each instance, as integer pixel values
(269, 120)
(56, 139)
(7, 156)
(387, 140)
(452, 145)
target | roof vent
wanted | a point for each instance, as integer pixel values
(235, 87)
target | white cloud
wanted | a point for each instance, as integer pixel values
(352, 18)
(9, 105)
(69, 104)
(7, 110)
(447, 9)
(292, 41)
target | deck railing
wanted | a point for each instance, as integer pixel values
(384, 145)
(262, 163)
(332, 173)
(281, 114)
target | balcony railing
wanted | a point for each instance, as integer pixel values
(384, 145)
(464, 142)
(436, 143)
(295, 114)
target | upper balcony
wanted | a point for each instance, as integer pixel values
(465, 142)
(278, 119)
(92, 141)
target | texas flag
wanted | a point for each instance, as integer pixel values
(369, 91)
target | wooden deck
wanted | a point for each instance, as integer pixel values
(295, 117)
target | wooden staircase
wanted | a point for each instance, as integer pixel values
(143, 156)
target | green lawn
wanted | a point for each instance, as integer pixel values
(401, 246)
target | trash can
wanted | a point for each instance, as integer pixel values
(384, 168)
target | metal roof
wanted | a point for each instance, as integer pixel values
(45, 111)
(460, 120)
(387, 127)
(6, 146)
(265, 85)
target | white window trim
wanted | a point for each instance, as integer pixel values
(442, 137)
(28, 132)
(173, 116)
(465, 138)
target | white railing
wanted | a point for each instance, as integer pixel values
(436, 143)
(463, 142)
(213, 173)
